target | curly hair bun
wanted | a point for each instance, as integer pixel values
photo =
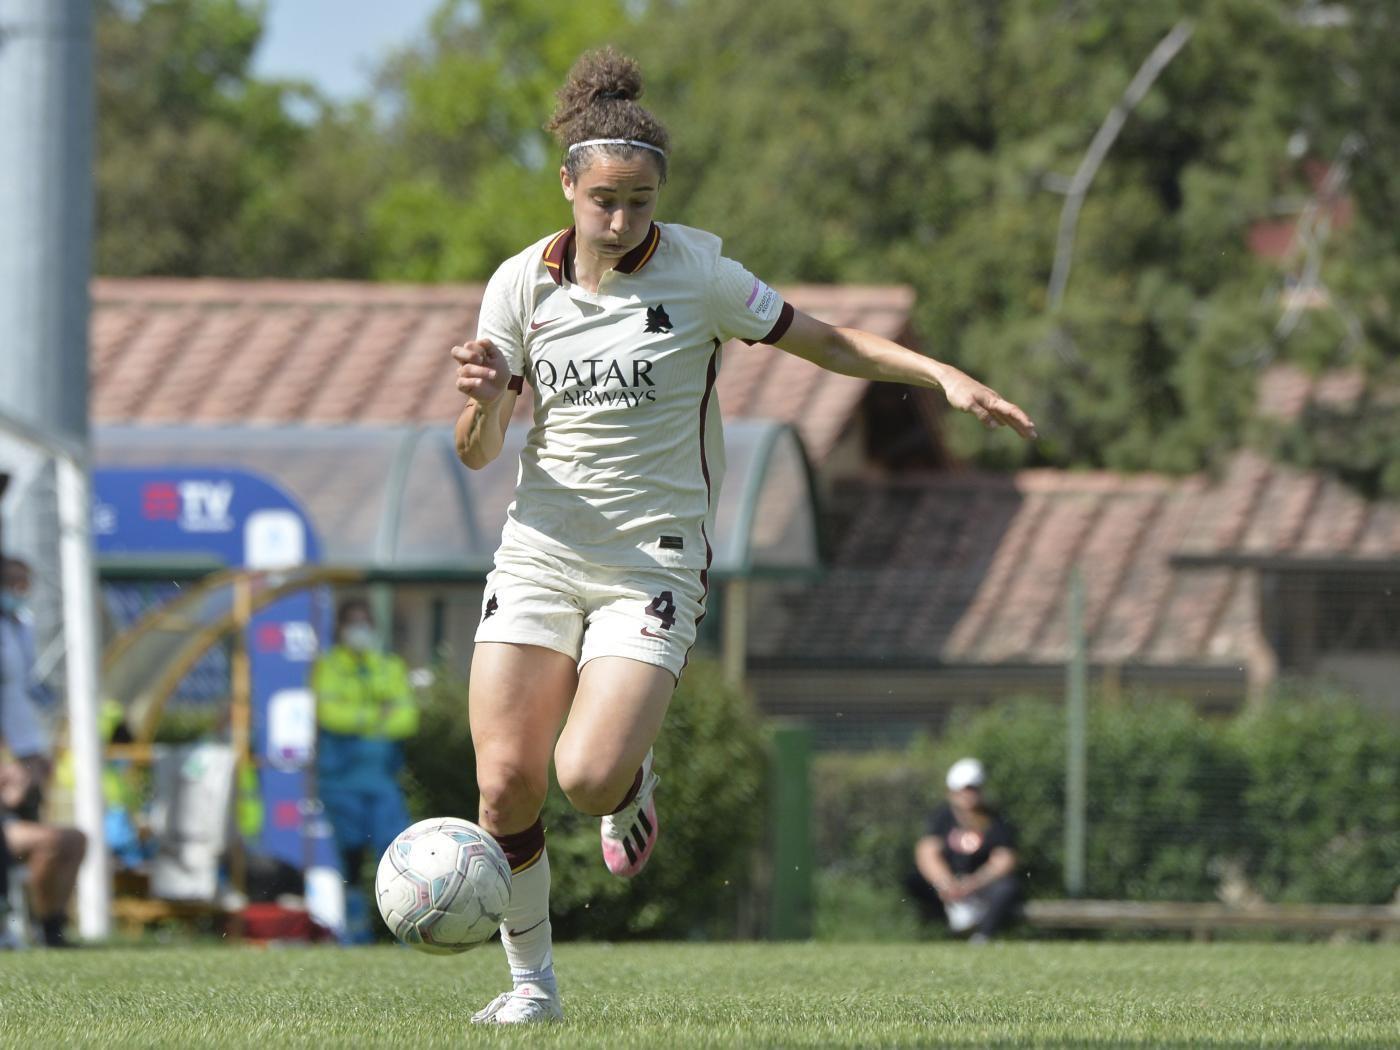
(599, 100)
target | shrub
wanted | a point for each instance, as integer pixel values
(1303, 799)
(711, 760)
(1324, 801)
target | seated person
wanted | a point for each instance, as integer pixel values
(24, 706)
(965, 864)
(52, 856)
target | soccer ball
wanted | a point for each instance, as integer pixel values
(443, 886)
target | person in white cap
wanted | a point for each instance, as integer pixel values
(965, 863)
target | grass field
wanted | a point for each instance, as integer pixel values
(684, 995)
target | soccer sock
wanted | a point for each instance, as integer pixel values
(526, 934)
(52, 930)
(631, 792)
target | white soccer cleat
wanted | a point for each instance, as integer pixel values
(525, 1004)
(630, 833)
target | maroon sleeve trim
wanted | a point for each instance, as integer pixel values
(779, 329)
(517, 384)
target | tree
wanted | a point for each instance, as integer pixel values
(902, 140)
(476, 176)
(202, 169)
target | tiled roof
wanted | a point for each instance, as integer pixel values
(1286, 391)
(1261, 510)
(222, 351)
(971, 569)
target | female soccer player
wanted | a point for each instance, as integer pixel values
(599, 581)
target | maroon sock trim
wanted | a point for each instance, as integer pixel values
(631, 792)
(523, 847)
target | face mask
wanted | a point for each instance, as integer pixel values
(360, 637)
(12, 603)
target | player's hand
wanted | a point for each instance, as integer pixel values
(954, 891)
(482, 373)
(993, 410)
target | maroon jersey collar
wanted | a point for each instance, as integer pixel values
(556, 253)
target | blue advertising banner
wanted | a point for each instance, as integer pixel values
(240, 520)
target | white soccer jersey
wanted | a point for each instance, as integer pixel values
(625, 456)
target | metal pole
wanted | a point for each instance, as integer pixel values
(46, 133)
(1076, 753)
(1152, 66)
(735, 625)
(790, 906)
(80, 633)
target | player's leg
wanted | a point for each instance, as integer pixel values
(641, 625)
(603, 758)
(53, 856)
(519, 695)
(1000, 900)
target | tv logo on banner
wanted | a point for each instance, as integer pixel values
(196, 506)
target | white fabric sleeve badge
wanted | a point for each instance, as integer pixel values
(743, 307)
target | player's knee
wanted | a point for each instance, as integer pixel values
(507, 790)
(72, 845)
(588, 788)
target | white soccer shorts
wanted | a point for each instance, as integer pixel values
(585, 611)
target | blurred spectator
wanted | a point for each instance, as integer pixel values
(365, 707)
(50, 854)
(23, 712)
(965, 864)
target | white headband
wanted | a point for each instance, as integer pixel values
(618, 142)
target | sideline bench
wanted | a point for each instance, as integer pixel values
(1202, 919)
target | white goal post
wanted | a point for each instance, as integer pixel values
(78, 576)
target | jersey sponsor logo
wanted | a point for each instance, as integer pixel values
(657, 321)
(596, 381)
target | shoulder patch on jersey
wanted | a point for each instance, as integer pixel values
(761, 300)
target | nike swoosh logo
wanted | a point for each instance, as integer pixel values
(652, 634)
(527, 929)
(535, 326)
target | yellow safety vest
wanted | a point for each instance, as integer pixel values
(364, 694)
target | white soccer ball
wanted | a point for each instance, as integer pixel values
(443, 886)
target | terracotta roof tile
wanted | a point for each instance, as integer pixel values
(971, 569)
(1341, 389)
(1380, 536)
(1283, 392)
(1264, 510)
(224, 351)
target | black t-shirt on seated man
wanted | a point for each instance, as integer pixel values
(967, 849)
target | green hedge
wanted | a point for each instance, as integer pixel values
(711, 759)
(1302, 801)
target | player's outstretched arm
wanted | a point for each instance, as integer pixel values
(853, 352)
(484, 377)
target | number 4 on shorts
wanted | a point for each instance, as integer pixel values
(663, 607)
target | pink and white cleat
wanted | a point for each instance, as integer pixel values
(630, 833)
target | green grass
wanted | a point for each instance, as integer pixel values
(683, 995)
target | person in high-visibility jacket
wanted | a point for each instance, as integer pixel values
(365, 707)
